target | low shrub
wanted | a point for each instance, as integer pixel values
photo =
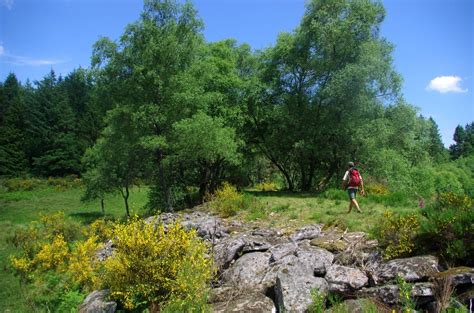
(227, 201)
(266, 186)
(54, 265)
(376, 189)
(396, 234)
(453, 200)
(405, 300)
(21, 184)
(157, 269)
(448, 232)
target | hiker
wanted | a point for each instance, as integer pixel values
(352, 180)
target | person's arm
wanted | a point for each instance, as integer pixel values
(344, 180)
(362, 190)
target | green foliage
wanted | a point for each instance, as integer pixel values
(227, 201)
(396, 234)
(405, 300)
(173, 267)
(318, 304)
(54, 263)
(464, 138)
(70, 302)
(448, 228)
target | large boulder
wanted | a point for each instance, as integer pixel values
(343, 278)
(389, 294)
(410, 269)
(248, 271)
(307, 232)
(293, 290)
(280, 251)
(457, 275)
(97, 302)
(231, 248)
(254, 302)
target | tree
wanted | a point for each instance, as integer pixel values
(117, 161)
(144, 72)
(321, 83)
(205, 145)
(464, 138)
(12, 126)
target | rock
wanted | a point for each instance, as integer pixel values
(410, 269)
(279, 251)
(332, 242)
(343, 278)
(248, 271)
(255, 243)
(293, 291)
(206, 225)
(389, 294)
(231, 248)
(96, 303)
(307, 232)
(458, 275)
(226, 251)
(106, 251)
(316, 258)
(254, 302)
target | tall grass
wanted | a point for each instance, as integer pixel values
(23, 202)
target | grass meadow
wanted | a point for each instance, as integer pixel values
(21, 207)
(284, 210)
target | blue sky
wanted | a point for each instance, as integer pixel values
(433, 41)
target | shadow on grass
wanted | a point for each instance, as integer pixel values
(283, 194)
(89, 217)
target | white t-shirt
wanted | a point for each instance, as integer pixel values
(347, 177)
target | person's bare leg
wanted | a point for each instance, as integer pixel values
(350, 207)
(354, 202)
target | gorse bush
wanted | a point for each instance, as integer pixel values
(453, 200)
(54, 260)
(448, 229)
(154, 268)
(227, 201)
(266, 186)
(396, 234)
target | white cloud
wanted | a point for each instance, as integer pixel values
(444, 84)
(18, 60)
(7, 3)
(22, 60)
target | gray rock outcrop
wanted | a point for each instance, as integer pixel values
(96, 302)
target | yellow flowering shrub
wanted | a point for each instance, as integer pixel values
(156, 268)
(52, 255)
(100, 228)
(453, 200)
(396, 234)
(82, 263)
(266, 186)
(227, 201)
(376, 188)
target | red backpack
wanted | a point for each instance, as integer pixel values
(354, 180)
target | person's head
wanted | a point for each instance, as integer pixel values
(350, 164)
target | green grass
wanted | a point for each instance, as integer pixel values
(272, 209)
(291, 210)
(21, 207)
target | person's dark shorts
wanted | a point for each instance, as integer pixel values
(352, 192)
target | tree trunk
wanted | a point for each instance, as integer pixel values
(165, 188)
(125, 199)
(102, 206)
